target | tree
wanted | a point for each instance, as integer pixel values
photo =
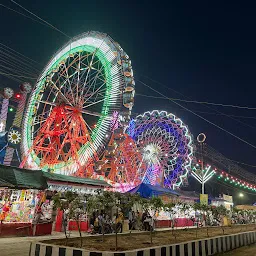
(76, 211)
(132, 199)
(197, 208)
(219, 213)
(105, 201)
(62, 201)
(155, 204)
(118, 204)
(184, 207)
(170, 208)
(205, 209)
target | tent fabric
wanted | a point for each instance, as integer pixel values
(15, 177)
(147, 190)
(72, 179)
(21, 178)
(4, 183)
(189, 194)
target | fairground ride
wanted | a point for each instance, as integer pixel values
(156, 149)
(70, 114)
(165, 144)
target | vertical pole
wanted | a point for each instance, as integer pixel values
(202, 186)
(202, 167)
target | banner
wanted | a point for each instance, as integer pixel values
(204, 199)
(228, 198)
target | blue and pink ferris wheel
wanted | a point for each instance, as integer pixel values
(165, 145)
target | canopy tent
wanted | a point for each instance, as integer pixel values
(72, 179)
(189, 194)
(4, 183)
(15, 177)
(147, 190)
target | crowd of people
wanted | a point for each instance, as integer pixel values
(101, 222)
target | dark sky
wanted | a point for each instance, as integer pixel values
(203, 49)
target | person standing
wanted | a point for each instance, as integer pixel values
(119, 221)
(145, 220)
(130, 217)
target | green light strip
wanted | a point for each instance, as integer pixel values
(107, 71)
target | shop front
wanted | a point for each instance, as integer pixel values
(26, 206)
(178, 218)
(22, 201)
(60, 184)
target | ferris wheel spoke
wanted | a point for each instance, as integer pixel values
(92, 84)
(99, 71)
(78, 77)
(68, 80)
(91, 113)
(47, 102)
(38, 122)
(59, 91)
(88, 71)
(97, 96)
(93, 94)
(88, 126)
(94, 103)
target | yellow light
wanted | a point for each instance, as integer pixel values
(241, 195)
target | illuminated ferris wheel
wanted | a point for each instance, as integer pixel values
(165, 145)
(71, 109)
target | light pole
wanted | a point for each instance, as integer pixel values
(202, 176)
(201, 139)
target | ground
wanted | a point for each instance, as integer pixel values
(19, 246)
(142, 239)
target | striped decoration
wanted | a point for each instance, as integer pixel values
(4, 112)
(20, 109)
(204, 247)
(8, 156)
(16, 122)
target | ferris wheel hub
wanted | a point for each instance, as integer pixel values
(152, 152)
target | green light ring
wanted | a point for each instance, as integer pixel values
(105, 108)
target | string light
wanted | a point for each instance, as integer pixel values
(235, 181)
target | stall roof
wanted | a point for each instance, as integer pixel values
(147, 190)
(189, 194)
(72, 179)
(15, 177)
(4, 183)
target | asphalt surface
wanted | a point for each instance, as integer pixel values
(19, 246)
(243, 251)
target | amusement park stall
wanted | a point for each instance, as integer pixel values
(61, 183)
(167, 195)
(21, 192)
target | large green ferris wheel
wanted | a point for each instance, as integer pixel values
(72, 107)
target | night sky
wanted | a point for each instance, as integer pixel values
(205, 50)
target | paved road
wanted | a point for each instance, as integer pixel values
(19, 246)
(243, 251)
